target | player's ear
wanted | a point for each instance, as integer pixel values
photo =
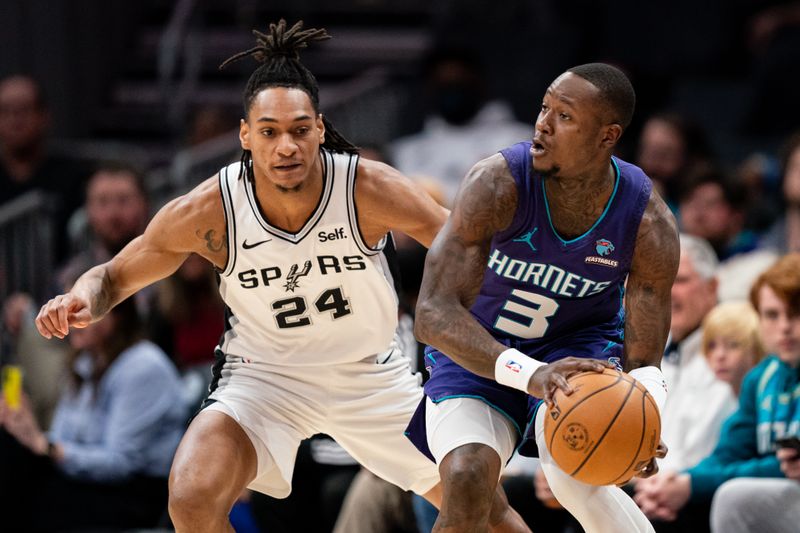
(321, 128)
(244, 130)
(611, 134)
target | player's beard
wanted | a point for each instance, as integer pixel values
(549, 172)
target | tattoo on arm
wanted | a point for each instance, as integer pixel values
(647, 299)
(456, 264)
(214, 243)
(103, 299)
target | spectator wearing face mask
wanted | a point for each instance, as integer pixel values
(462, 127)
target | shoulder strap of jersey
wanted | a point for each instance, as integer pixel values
(352, 212)
(225, 175)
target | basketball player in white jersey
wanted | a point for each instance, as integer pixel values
(297, 232)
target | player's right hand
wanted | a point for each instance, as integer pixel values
(62, 312)
(548, 378)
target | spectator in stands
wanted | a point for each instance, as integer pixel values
(42, 363)
(769, 409)
(463, 126)
(188, 316)
(784, 235)
(116, 212)
(25, 160)
(732, 342)
(106, 458)
(713, 207)
(116, 209)
(671, 148)
(690, 432)
(731, 345)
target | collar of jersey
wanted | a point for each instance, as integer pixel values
(316, 214)
(597, 222)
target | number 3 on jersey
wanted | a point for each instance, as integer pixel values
(292, 311)
(538, 313)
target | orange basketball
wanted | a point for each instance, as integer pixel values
(605, 430)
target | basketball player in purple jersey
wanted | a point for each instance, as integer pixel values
(524, 287)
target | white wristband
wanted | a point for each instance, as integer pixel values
(653, 380)
(514, 369)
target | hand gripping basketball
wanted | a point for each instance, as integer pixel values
(554, 376)
(607, 431)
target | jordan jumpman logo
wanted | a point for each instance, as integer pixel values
(527, 239)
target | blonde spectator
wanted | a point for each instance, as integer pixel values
(732, 342)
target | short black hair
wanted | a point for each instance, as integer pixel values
(616, 91)
(733, 190)
(692, 134)
(112, 166)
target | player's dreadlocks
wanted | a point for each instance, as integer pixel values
(279, 52)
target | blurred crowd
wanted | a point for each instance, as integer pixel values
(92, 435)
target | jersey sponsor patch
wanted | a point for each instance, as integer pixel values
(602, 261)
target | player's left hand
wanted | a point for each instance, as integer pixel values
(651, 467)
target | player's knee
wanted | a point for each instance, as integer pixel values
(193, 496)
(469, 472)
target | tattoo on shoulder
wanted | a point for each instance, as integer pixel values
(489, 199)
(215, 242)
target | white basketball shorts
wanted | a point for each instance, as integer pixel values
(364, 406)
(457, 421)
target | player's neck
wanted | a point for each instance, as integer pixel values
(290, 209)
(576, 203)
(586, 188)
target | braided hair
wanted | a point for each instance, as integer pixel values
(278, 51)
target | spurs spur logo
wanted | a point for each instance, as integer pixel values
(292, 279)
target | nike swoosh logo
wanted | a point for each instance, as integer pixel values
(248, 246)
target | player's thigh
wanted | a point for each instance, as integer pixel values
(458, 423)
(215, 457)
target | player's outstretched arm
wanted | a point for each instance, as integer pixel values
(191, 223)
(387, 200)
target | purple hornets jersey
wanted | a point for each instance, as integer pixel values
(544, 295)
(541, 290)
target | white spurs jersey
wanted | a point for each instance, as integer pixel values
(318, 296)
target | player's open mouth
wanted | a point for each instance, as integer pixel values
(537, 148)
